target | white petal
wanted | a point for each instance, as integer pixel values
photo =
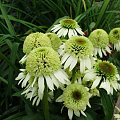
(105, 86)
(83, 113)
(33, 92)
(77, 113)
(73, 63)
(20, 76)
(49, 82)
(70, 114)
(59, 77)
(59, 99)
(64, 58)
(26, 80)
(79, 31)
(82, 65)
(23, 59)
(75, 33)
(60, 32)
(96, 83)
(56, 27)
(89, 76)
(68, 62)
(41, 84)
(108, 49)
(70, 33)
(55, 81)
(104, 52)
(38, 101)
(65, 32)
(88, 63)
(100, 52)
(33, 81)
(34, 100)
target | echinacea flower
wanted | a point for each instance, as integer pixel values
(34, 40)
(105, 75)
(114, 37)
(67, 27)
(100, 41)
(42, 66)
(77, 49)
(55, 40)
(75, 98)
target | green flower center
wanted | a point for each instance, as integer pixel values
(75, 97)
(79, 46)
(114, 35)
(42, 61)
(106, 69)
(99, 38)
(35, 40)
(69, 23)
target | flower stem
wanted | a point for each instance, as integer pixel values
(45, 103)
(73, 75)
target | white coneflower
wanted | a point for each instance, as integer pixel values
(55, 40)
(34, 40)
(114, 37)
(77, 49)
(67, 27)
(42, 65)
(75, 98)
(105, 75)
(100, 41)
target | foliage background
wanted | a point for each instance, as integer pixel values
(18, 18)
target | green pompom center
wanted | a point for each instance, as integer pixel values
(42, 61)
(68, 23)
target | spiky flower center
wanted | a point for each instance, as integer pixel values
(68, 23)
(35, 40)
(79, 46)
(114, 35)
(106, 69)
(75, 97)
(99, 38)
(42, 61)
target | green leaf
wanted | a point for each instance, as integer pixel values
(107, 104)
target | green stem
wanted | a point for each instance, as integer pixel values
(45, 103)
(73, 75)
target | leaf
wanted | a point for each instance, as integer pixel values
(107, 104)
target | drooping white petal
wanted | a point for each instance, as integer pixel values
(38, 101)
(106, 86)
(55, 81)
(56, 27)
(73, 63)
(104, 52)
(83, 113)
(26, 80)
(59, 77)
(100, 52)
(70, 33)
(108, 49)
(82, 65)
(77, 113)
(70, 114)
(79, 31)
(34, 100)
(68, 62)
(88, 63)
(20, 76)
(49, 82)
(64, 58)
(41, 84)
(75, 33)
(96, 83)
(65, 32)
(89, 104)
(60, 99)
(60, 32)
(33, 92)
(33, 81)
(23, 59)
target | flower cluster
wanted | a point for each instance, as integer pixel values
(70, 61)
